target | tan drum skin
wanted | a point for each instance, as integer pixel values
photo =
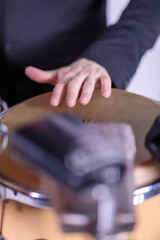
(122, 106)
(22, 222)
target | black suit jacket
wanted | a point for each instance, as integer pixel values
(53, 33)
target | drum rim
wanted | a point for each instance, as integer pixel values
(40, 200)
(22, 194)
(143, 193)
(16, 186)
(27, 190)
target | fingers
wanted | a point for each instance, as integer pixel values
(98, 77)
(85, 74)
(105, 82)
(41, 76)
(57, 94)
(82, 76)
(74, 87)
(88, 89)
(69, 84)
(87, 80)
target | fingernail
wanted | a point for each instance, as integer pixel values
(28, 70)
(54, 102)
(70, 102)
(107, 93)
(84, 100)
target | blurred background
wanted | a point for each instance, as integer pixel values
(146, 80)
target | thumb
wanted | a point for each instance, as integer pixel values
(41, 76)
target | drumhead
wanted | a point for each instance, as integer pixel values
(140, 112)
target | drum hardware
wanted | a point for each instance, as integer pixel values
(2, 238)
(3, 107)
(39, 200)
(3, 127)
(86, 190)
(3, 137)
(143, 193)
(33, 199)
(153, 139)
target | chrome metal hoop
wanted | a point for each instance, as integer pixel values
(3, 107)
(2, 237)
(148, 191)
(3, 137)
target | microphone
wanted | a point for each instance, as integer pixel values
(89, 167)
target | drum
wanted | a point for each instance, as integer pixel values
(26, 191)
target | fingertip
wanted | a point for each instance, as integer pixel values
(84, 101)
(106, 93)
(54, 101)
(70, 103)
(27, 70)
(32, 72)
(38, 75)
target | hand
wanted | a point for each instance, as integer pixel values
(82, 75)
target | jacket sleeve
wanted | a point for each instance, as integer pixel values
(120, 48)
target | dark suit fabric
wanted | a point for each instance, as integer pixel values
(50, 34)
